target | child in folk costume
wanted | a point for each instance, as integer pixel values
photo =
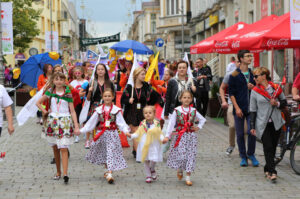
(61, 120)
(149, 137)
(106, 147)
(183, 149)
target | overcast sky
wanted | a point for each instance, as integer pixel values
(107, 17)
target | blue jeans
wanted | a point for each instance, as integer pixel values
(240, 139)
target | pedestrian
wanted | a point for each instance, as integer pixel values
(6, 102)
(78, 81)
(135, 99)
(125, 75)
(231, 66)
(95, 91)
(266, 120)
(106, 146)
(184, 144)
(149, 137)
(61, 122)
(296, 88)
(227, 105)
(203, 75)
(240, 85)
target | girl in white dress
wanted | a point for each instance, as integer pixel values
(149, 137)
(106, 146)
(61, 123)
(183, 148)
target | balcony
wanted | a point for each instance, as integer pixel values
(62, 15)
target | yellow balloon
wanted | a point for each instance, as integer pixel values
(32, 92)
(129, 55)
(16, 73)
(54, 55)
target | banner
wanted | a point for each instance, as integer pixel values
(295, 19)
(7, 28)
(91, 56)
(54, 41)
(100, 40)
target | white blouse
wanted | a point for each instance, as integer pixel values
(60, 108)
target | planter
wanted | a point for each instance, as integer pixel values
(213, 107)
(22, 98)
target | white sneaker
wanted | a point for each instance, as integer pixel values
(87, 144)
(77, 139)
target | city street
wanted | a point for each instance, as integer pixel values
(27, 172)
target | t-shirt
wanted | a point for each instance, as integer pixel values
(246, 74)
(5, 101)
(77, 84)
(225, 81)
(296, 83)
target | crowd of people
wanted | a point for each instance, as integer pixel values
(252, 101)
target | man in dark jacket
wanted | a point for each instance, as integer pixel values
(240, 84)
(203, 76)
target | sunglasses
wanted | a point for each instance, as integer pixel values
(256, 76)
(77, 73)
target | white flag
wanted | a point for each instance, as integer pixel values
(135, 65)
(186, 59)
(101, 51)
(295, 19)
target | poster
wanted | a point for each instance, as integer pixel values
(7, 28)
(54, 41)
(295, 19)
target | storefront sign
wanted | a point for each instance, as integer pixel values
(7, 28)
(213, 19)
(20, 56)
(199, 27)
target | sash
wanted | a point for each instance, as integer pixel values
(261, 90)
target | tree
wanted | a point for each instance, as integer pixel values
(24, 23)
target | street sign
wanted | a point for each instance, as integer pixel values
(159, 42)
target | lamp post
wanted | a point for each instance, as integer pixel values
(1, 53)
(51, 26)
(182, 28)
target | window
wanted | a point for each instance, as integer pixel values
(49, 25)
(177, 7)
(43, 24)
(168, 7)
(153, 23)
(53, 5)
(172, 7)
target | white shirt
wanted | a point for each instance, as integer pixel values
(5, 101)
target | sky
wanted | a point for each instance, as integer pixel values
(107, 17)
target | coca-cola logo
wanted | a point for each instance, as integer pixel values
(222, 44)
(277, 42)
(235, 44)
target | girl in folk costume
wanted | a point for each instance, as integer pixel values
(266, 120)
(135, 99)
(96, 88)
(149, 136)
(59, 126)
(183, 150)
(106, 148)
(78, 81)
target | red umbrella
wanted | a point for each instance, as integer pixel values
(272, 32)
(208, 45)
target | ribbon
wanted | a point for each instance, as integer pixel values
(104, 128)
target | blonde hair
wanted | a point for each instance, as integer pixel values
(186, 91)
(150, 107)
(262, 71)
(136, 73)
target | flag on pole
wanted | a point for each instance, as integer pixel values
(153, 67)
(134, 66)
(101, 51)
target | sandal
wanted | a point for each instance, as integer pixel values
(105, 174)
(109, 178)
(273, 177)
(188, 181)
(267, 175)
(179, 175)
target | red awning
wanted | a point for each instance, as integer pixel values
(270, 32)
(208, 45)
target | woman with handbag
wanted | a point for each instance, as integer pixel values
(265, 116)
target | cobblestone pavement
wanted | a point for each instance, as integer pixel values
(26, 172)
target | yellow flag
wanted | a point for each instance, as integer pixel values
(153, 67)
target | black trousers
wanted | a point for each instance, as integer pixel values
(270, 140)
(202, 101)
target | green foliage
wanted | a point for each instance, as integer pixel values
(214, 90)
(25, 20)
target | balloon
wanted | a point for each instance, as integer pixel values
(129, 55)
(16, 73)
(54, 55)
(32, 92)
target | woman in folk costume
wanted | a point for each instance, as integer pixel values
(61, 123)
(95, 91)
(149, 137)
(135, 99)
(265, 116)
(183, 149)
(106, 148)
